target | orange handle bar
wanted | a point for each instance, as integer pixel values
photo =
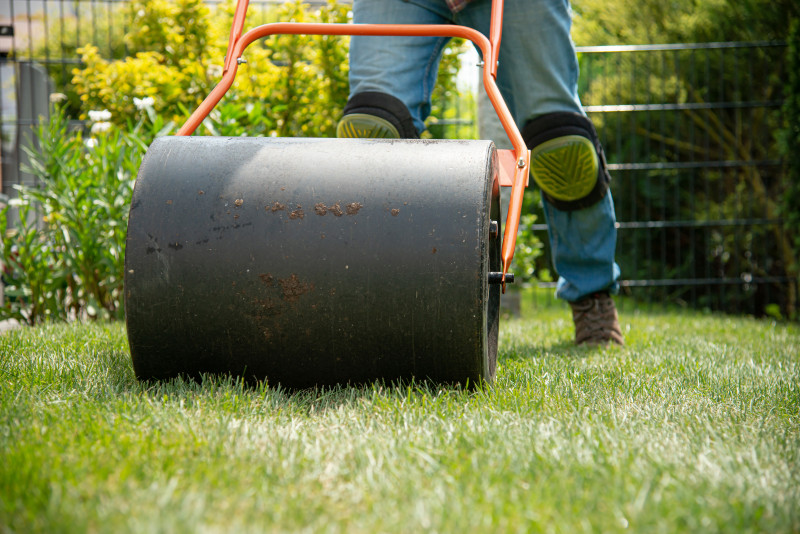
(489, 49)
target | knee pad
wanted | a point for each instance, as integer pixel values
(567, 161)
(373, 114)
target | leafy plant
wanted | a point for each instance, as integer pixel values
(35, 289)
(290, 85)
(63, 255)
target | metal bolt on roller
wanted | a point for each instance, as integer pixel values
(310, 262)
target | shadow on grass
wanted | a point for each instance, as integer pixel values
(232, 390)
(562, 349)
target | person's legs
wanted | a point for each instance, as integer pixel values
(538, 70)
(538, 76)
(584, 241)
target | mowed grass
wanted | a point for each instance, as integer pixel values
(694, 426)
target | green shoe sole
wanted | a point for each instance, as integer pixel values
(362, 125)
(565, 167)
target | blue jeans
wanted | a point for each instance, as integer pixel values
(537, 74)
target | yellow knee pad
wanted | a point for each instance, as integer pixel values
(567, 161)
(565, 167)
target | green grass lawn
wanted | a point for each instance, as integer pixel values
(694, 426)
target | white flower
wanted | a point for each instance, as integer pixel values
(143, 103)
(214, 71)
(55, 98)
(97, 116)
(99, 127)
(91, 142)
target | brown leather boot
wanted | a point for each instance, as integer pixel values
(596, 321)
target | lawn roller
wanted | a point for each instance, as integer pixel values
(309, 262)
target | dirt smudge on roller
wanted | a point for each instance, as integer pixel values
(276, 206)
(353, 207)
(395, 212)
(297, 214)
(320, 209)
(293, 288)
(336, 209)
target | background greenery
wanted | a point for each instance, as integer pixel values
(172, 50)
(699, 135)
(63, 254)
(693, 427)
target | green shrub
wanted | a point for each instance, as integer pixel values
(290, 86)
(112, 85)
(63, 256)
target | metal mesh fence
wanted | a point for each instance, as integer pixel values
(690, 132)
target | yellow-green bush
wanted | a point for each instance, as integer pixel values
(112, 85)
(297, 84)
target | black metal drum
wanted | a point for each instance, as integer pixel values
(314, 261)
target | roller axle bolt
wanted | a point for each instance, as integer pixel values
(494, 229)
(497, 278)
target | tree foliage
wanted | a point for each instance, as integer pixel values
(603, 22)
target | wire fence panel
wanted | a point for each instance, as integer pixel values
(689, 132)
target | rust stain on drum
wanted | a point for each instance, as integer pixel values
(336, 209)
(320, 209)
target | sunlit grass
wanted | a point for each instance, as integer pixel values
(694, 426)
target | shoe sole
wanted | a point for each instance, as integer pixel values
(361, 125)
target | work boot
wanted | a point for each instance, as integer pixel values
(596, 321)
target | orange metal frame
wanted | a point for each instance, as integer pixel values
(514, 165)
